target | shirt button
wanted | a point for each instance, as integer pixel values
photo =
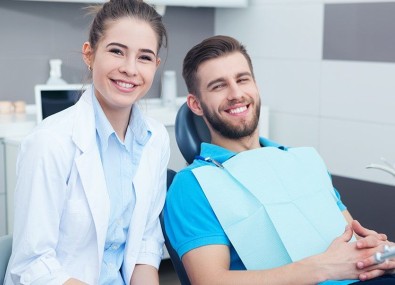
(114, 247)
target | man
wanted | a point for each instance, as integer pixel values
(250, 211)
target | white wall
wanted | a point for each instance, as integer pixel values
(346, 109)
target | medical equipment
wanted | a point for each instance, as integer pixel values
(388, 167)
(387, 253)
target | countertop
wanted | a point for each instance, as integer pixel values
(13, 127)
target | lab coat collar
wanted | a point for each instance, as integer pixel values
(90, 167)
(84, 130)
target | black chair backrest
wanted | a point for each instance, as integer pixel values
(177, 263)
(191, 130)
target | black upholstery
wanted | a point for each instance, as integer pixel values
(191, 131)
(179, 268)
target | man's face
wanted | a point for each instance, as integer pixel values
(229, 97)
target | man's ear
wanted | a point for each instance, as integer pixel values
(194, 104)
(87, 54)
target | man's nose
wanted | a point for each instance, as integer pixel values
(235, 91)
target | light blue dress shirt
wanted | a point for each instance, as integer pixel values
(120, 162)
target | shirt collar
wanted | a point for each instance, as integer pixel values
(103, 126)
(221, 154)
(137, 126)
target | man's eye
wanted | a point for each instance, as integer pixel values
(218, 86)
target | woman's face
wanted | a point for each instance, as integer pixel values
(123, 64)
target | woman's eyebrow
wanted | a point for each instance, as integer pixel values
(147, 50)
(117, 44)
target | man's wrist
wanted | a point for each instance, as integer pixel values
(313, 267)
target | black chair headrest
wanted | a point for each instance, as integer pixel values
(191, 131)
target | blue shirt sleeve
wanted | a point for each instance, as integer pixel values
(189, 219)
(339, 202)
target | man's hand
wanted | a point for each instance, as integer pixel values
(364, 232)
(341, 257)
(372, 239)
(355, 260)
(374, 269)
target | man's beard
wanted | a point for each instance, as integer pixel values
(242, 130)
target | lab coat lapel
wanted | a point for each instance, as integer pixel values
(92, 177)
(90, 168)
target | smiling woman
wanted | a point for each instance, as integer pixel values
(94, 175)
(123, 67)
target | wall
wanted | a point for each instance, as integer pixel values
(326, 69)
(34, 32)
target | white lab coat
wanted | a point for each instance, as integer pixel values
(62, 206)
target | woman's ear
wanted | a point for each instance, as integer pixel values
(87, 54)
(194, 104)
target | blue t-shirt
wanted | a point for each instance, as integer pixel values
(190, 221)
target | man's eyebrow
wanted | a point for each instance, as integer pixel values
(221, 79)
(244, 74)
(215, 81)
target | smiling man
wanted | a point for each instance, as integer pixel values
(251, 211)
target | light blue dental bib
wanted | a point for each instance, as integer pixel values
(275, 206)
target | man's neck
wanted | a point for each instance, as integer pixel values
(237, 145)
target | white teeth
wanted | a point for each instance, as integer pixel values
(238, 110)
(124, 84)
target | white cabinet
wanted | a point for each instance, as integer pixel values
(11, 154)
(10, 125)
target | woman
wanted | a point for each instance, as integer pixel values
(91, 179)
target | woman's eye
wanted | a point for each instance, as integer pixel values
(146, 57)
(116, 51)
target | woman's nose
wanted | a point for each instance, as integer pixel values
(129, 67)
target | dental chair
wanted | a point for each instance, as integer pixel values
(191, 131)
(175, 260)
(5, 253)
